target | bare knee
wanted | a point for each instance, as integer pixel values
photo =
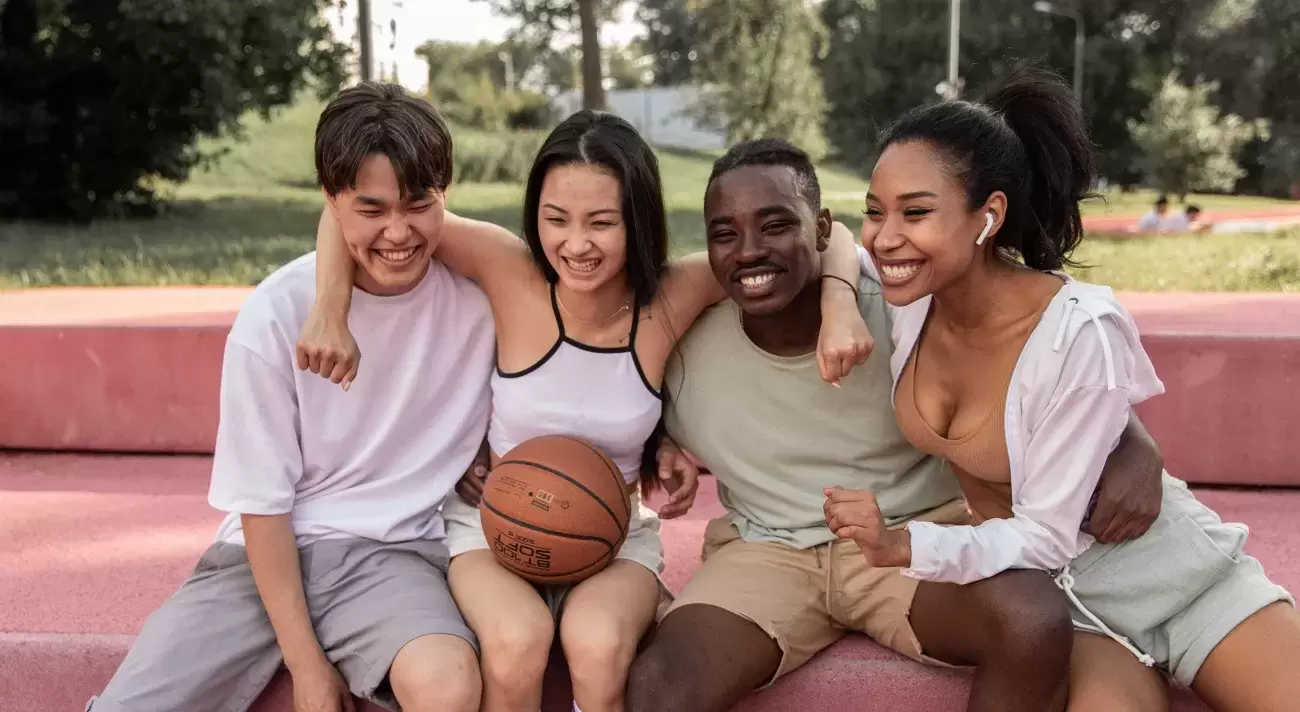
(599, 649)
(436, 672)
(657, 682)
(1026, 622)
(516, 650)
(701, 659)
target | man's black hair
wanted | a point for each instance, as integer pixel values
(772, 152)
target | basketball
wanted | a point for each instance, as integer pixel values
(555, 509)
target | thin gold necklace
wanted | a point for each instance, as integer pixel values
(579, 319)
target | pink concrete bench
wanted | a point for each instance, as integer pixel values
(138, 370)
(92, 544)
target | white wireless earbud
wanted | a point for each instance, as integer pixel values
(988, 227)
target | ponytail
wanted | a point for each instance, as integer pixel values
(1028, 141)
(1046, 117)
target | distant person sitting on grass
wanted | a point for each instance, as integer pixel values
(1153, 221)
(332, 557)
(775, 586)
(1186, 221)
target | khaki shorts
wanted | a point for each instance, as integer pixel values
(642, 546)
(807, 599)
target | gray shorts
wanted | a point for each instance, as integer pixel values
(1177, 591)
(211, 648)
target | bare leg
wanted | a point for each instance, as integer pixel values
(1014, 627)
(1257, 667)
(436, 673)
(604, 618)
(1105, 677)
(701, 658)
(514, 628)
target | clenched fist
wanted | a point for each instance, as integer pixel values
(855, 515)
(326, 347)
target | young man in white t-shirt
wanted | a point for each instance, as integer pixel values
(331, 559)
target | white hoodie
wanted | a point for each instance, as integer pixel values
(1080, 373)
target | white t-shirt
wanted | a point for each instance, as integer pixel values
(1149, 222)
(1178, 222)
(378, 460)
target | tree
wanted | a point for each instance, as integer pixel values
(541, 21)
(628, 67)
(887, 56)
(103, 100)
(1252, 48)
(1186, 144)
(478, 85)
(756, 66)
(669, 39)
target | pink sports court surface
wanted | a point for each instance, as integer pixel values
(92, 541)
(92, 544)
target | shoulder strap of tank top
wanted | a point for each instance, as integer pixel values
(555, 308)
(636, 320)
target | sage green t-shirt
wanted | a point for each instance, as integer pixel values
(775, 435)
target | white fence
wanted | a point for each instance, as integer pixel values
(657, 113)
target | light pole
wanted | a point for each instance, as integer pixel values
(954, 42)
(366, 58)
(1052, 9)
(951, 88)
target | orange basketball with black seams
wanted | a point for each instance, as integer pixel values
(555, 509)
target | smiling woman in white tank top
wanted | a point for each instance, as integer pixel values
(587, 310)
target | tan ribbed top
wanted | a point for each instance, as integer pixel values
(979, 457)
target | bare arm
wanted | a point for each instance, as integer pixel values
(690, 287)
(335, 270)
(273, 557)
(1128, 498)
(844, 341)
(488, 254)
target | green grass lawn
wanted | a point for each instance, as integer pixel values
(256, 208)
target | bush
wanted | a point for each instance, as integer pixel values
(480, 104)
(529, 110)
(494, 157)
(103, 100)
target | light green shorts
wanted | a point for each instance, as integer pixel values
(1178, 590)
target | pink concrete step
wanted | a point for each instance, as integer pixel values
(92, 544)
(138, 370)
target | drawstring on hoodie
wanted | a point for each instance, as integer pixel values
(1063, 578)
(1105, 343)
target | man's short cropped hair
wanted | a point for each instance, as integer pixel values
(773, 152)
(382, 118)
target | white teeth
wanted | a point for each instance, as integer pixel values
(757, 280)
(582, 265)
(900, 272)
(397, 255)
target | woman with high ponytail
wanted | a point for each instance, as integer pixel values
(1023, 379)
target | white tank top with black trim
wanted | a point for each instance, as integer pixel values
(599, 394)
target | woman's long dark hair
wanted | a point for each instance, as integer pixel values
(597, 138)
